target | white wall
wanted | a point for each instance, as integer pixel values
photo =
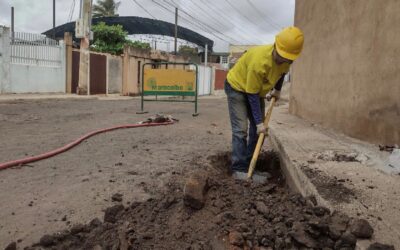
(31, 68)
(36, 79)
(204, 80)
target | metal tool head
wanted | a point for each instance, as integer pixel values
(259, 178)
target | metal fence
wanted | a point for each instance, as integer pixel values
(35, 49)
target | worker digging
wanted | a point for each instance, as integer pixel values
(260, 70)
(199, 125)
(211, 210)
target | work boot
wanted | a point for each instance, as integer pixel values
(237, 175)
(261, 177)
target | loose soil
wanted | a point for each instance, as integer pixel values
(236, 215)
(328, 187)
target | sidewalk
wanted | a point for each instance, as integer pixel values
(343, 173)
(109, 97)
(16, 97)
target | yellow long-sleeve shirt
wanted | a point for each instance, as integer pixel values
(256, 71)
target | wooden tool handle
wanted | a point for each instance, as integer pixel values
(260, 140)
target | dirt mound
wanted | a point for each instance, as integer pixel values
(235, 215)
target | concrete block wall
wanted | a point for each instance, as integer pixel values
(347, 77)
(114, 74)
(5, 59)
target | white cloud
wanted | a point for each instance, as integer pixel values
(246, 26)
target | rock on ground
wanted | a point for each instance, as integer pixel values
(110, 215)
(347, 240)
(236, 239)
(117, 197)
(47, 240)
(194, 190)
(361, 228)
(379, 246)
(11, 246)
(300, 235)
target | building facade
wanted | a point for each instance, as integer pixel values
(347, 77)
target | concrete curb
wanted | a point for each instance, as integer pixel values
(295, 177)
(298, 181)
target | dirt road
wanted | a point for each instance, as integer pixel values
(134, 178)
(77, 186)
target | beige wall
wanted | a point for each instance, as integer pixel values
(348, 77)
(134, 76)
(133, 60)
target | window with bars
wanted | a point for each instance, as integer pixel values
(224, 59)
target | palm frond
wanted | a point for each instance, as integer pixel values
(106, 8)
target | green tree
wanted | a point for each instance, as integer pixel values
(187, 50)
(112, 38)
(105, 8)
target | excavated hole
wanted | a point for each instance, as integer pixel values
(268, 161)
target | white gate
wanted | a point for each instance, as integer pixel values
(204, 80)
(35, 49)
(36, 64)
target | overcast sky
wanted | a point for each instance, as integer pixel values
(224, 21)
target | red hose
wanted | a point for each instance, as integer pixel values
(73, 144)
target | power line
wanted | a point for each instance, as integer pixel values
(151, 38)
(71, 11)
(194, 18)
(222, 16)
(195, 24)
(240, 13)
(198, 23)
(216, 20)
(192, 9)
(270, 21)
(145, 10)
(202, 24)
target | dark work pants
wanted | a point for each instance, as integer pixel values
(244, 134)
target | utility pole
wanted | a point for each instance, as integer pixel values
(176, 30)
(83, 31)
(12, 24)
(54, 19)
(205, 63)
(205, 55)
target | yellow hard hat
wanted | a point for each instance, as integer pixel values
(289, 42)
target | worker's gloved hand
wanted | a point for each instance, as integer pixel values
(274, 93)
(261, 129)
